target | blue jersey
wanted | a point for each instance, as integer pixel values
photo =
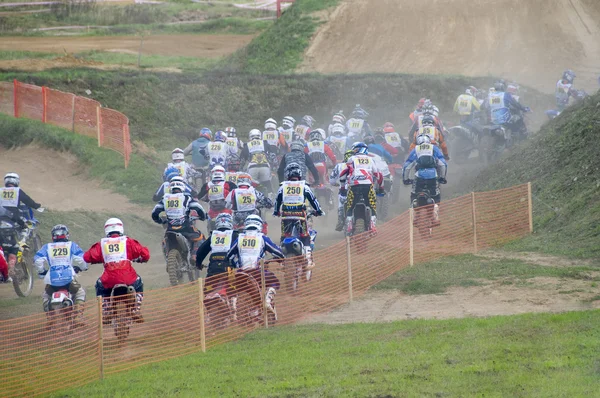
(429, 161)
(60, 257)
(381, 151)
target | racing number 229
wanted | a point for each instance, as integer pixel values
(59, 251)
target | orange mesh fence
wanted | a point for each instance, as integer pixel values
(59, 108)
(199, 315)
(7, 101)
(78, 114)
(85, 117)
(29, 102)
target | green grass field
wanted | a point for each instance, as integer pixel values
(517, 356)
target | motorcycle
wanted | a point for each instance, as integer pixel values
(360, 221)
(396, 172)
(462, 142)
(295, 262)
(578, 95)
(23, 270)
(426, 213)
(178, 253)
(324, 196)
(219, 302)
(60, 309)
(122, 301)
(492, 142)
(383, 201)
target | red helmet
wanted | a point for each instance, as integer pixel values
(421, 103)
(388, 128)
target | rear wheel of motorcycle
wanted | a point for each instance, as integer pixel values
(486, 149)
(121, 318)
(383, 208)
(23, 280)
(174, 263)
(218, 314)
(244, 309)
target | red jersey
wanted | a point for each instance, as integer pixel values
(117, 253)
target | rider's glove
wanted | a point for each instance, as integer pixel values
(447, 157)
(42, 274)
(442, 180)
(276, 213)
(138, 260)
(527, 109)
(200, 266)
(77, 269)
(407, 182)
(319, 213)
(381, 192)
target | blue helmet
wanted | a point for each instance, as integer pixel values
(170, 172)
(206, 133)
(220, 136)
(360, 148)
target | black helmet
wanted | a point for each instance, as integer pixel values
(293, 170)
(369, 139)
(500, 86)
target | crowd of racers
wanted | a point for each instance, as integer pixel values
(235, 178)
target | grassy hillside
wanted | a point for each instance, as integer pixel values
(563, 164)
(539, 355)
(169, 109)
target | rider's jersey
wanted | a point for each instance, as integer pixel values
(231, 177)
(334, 177)
(185, 169)
(316, 150)
(355, 126)
(114, 250)
(381, 164)
(244, 198)
(465, 103)
(234, 145)
(216, 195)
(199, 151)
(217, 152)
(293, 194)
(429, 161)
(287, 134)
(250, 249)
(271, 137)
(256, 149)
(9, 196)
(339, 142)
(393, 139)
(60, 257)
(363, 169)
(175, 206)
(220, 241)
(302, 132)
(430, 131)
(562, 92)
(499, 111)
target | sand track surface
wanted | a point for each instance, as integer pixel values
(531, 41)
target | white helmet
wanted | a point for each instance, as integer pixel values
(288, 122)
(177, 154)
(217, 173)
(114, 225)
(177, 185)
(468, 91)
(224, 221)
(339, 118)
(338, 129)
(177, 179)
(255, 134)
(253, 221)
(270, 124)
(12, 178)
(423, 139)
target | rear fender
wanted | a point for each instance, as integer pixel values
(175, 240)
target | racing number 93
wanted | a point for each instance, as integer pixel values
(114, 247)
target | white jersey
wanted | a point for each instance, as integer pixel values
(59, 262)
(245, 199)
(216, 192)
(393, 139)
(235, 145)
(10, 197)
(114, 250)
(381, 165)
(271, 136)
(217, 153)
(293, 193)
(174, 204)
(185, 169)
(355, 126)
(364, 169)
(302, 131)
(339, 142)
(220, 241)
(256, 146)
(287, 134)
(250, 247)
(334, 178)
(562, 91)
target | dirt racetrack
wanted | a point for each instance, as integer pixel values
(206, 46)
(531, 41)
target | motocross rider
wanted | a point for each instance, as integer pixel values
(337, 139)
(216, 191)
(15, 200)
(172, 174)
(303, 129)
(236, 145)
(431, 168)
(564, 90)
(391, 139)
(245, 200)
(60, 255)
(357, 125)
(199, 150)
(414, 115)
(298, 156)
(218, 245)
(338, 118)
(435, 135)
(255, 151)
(286, 133)
(499, 105)
(180, 210)
(378, 149)
(317, 149)
(466, 106)
(334, 179)
(219, 151)
(249, 248)
(117, 251)
(361, 174)
(271, 136)
(178, 162)
(291, 198)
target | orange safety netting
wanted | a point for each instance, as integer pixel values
(81, 115)
(192, 317)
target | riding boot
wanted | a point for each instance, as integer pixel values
(234, 308)
(373, 228)
(436, 215)
(106, 312)
(137, 309)
(78, 313)
(310, 264)
(270, 301)
(12, 261)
